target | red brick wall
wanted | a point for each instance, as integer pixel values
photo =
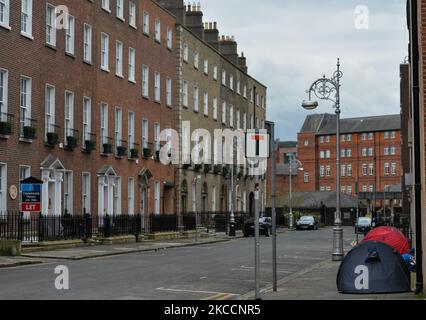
(21, 56)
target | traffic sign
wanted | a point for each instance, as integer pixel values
(31, 195)
(257, 144)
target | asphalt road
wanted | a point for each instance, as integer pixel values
(224, 270)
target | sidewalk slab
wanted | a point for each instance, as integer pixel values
(114, 250)
(10, 262)
(319, 283)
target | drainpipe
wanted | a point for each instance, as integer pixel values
(415, 83)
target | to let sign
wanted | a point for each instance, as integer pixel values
(30, 197)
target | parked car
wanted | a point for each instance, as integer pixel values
(363, 226)
(249, 228)
(267, 221)
(307, 223)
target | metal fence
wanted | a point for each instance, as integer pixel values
(218, 222)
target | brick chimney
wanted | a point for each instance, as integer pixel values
(242, 62)
(211, 34)
(228, 47)
(194, 19)
(176, 7)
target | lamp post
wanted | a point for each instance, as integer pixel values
(300, 168)
(329, 89)
(197, 178)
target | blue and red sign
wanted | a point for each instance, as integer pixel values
(30, 195)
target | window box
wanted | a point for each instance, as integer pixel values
(52, 138)
(29, 132)
(225, 171)
(71, 142)
(147, 153)
(186, 166)
(5, 128)
(121, 151)
(198, 167)
(89, 145)
(134, 153)
(157, 155)
(107, 148)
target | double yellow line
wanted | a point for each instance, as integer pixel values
(220, 297)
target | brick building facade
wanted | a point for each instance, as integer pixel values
(80, 89)
(214, 92)
(370, 154)
(82, 107)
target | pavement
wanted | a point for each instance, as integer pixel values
(10, 262)
(217, 269)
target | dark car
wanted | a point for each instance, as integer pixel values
(363, 226)
(249, 228)
(307, 223)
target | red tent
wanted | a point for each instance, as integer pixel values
(390, 236)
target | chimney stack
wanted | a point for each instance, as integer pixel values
(194, 19)
(228, 47)
(242, 62)
(211, 34)
(176, 7)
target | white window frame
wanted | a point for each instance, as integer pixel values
(131, 131)
(145, 81)
(117, 196)
(118, 126)
(132, 14)
(120, 9)
(131, 196)
(50, 25)
(196, 60)
(196, 98)
(215, 72)
(206, 104)
(27, 18)
(169, 38)
(50, 101)
(185, 53)
(105, 5)
(4, 84)
(25, 101)
(68, 192)
(145, 133)
(105, 51)
(146, 18)
(70, 35)
(214, 108)
(87, 119)
(224, 113)
(157, 133)
(157, 197)
(169, 100)
(119, 58)
(157, 31)
(104, 123)
(185, 94)
(132, 65)
(87, 43)
(85, 192)
(157, 87)
(69, 115)
(206, 66)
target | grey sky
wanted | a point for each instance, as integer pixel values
(291, 43)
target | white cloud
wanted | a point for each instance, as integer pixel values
(288, 44)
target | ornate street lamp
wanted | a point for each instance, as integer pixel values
(329, 89)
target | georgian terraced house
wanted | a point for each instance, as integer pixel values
(215, 93)
(85, 93)
(82, 107)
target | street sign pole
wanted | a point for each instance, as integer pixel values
(274, 211)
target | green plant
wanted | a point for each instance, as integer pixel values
(29, 132)
(134, 153)
(146, 152)
(52, 138)
(5, 128)
(121, 151)
(89, 145)
(71, 142)
(107, 148)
